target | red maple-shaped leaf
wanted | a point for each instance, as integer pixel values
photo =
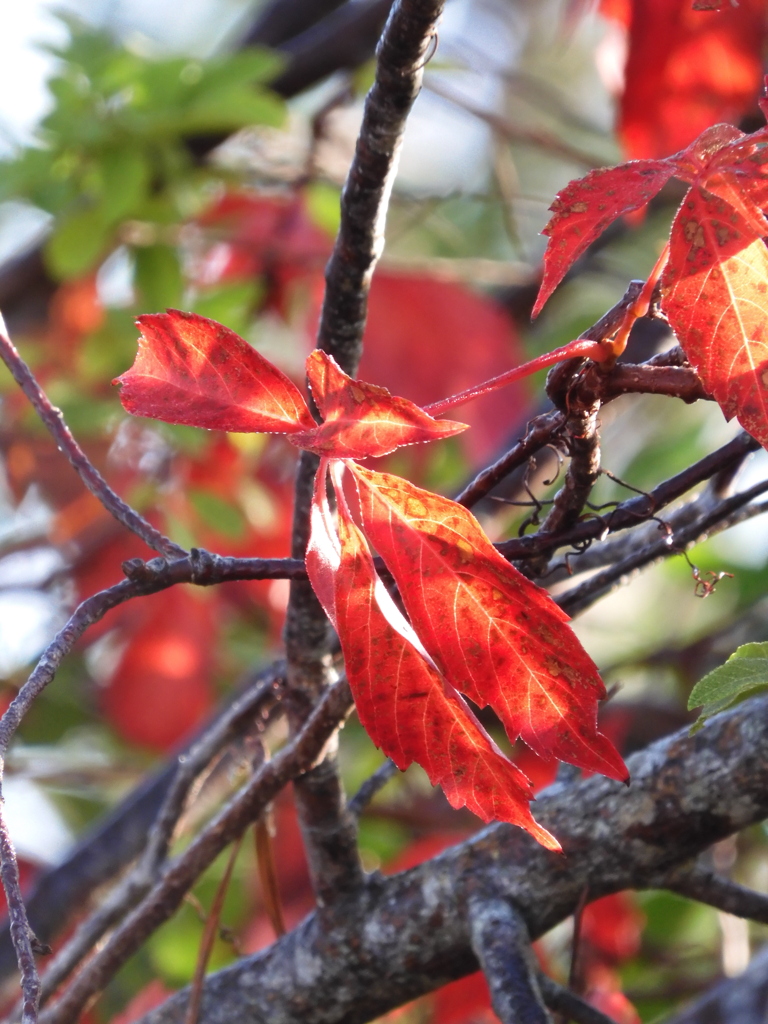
(497, 637)
(362, 420)
(530, 668)
(723, 160)
(689, 65)
(192, 370)
(584, 208)
(405, 705)
(716, 298)
(714, 283)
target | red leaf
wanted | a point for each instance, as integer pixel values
(613, 926)
(406, 707)
(192, 370)
(498, 638)
(687, 69)
(722, 160)
(362, 420)
(585, 208)
(738, 173)
(161, 690)
(426, 338)
(715, 294)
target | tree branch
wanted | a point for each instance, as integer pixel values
(636, 510)
(572, 1007)
(162, 901)
(53, 421)
(692, 530)
(329, 830)
(405, 935)
(696, 882)
(503, 949)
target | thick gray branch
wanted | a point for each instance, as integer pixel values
(406, 935)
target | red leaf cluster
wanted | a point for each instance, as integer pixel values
(714, 285)
(689, 65)
(475, 626)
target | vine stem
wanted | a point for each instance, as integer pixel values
(597, 350)
(605, 351)
(641, 305)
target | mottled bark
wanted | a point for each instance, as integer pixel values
(403, 936)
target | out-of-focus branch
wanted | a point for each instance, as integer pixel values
(715, 517)
(296, 757)
(102, 854)
(503, 949)
(54, 423)
(572, 1007)
(406, 935)
(343, 40)
(248, 710)
(741, 1000)
(696, 882)
(327, 826)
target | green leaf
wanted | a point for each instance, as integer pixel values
(158, 277)
(324, 206)
(218, 514)
(125, 179)
(246, 67)
(230, 304)
(745, 672)
(232, 108)
(78, 241)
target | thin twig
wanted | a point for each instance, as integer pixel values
(210, 932)
(567, 1003)
(696, 882)
(713, 520)
(292, 760)
(265, 865)
(371, 787)
(54, 423)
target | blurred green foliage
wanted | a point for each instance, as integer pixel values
(114, 149)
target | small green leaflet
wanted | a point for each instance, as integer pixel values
(745, 672)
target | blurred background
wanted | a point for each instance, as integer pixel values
(150, 159)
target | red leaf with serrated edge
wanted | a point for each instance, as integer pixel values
(192, 370)
(362, 420)
(738, 173)
(723, 160)
(584, 209)
(686, 69)
(406, 707)
(715, 294)
(498, 638)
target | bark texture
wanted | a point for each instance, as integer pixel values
(403, 936)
